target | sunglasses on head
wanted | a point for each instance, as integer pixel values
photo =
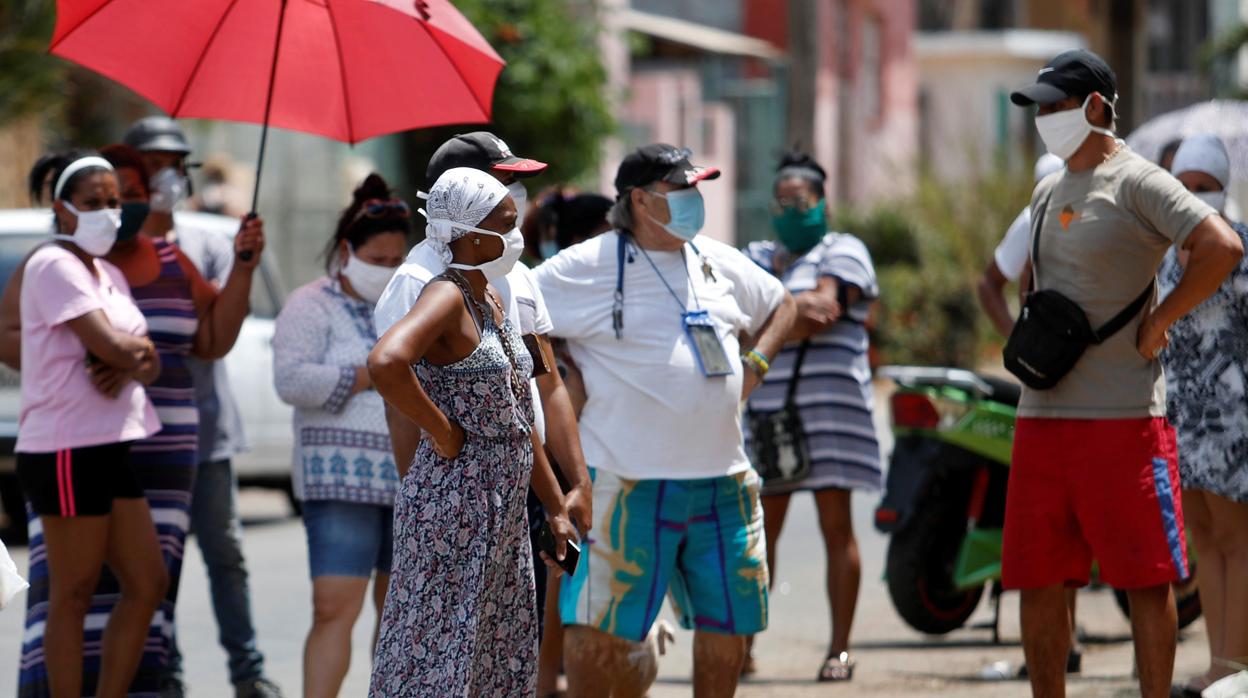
(378, 208)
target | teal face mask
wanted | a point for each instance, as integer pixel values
(132, 216)
(687, 210)
(799, 231)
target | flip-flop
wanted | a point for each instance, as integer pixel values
(1184, 691)
(839, 668)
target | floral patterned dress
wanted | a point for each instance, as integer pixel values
(1207, 383)
(460, 616)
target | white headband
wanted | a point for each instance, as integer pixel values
(77, 166)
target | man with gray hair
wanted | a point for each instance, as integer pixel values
(670, 334)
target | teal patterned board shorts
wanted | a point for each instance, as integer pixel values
(700, 542)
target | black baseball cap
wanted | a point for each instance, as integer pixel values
(659, 162)
(157, 133)
(1074, 73)
(480, 150)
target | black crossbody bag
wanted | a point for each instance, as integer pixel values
(1052, 331)
(778, 446)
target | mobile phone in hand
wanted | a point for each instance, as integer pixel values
(545, 539)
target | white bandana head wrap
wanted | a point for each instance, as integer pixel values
(1203, 152)
(462, 197)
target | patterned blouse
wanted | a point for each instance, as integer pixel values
(1207, 382)
(342, 445)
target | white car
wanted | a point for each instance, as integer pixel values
(266, 419)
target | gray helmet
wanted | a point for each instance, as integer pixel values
(159, 133)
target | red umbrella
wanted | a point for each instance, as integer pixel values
(344, 69)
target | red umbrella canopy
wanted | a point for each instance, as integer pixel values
(346, 69)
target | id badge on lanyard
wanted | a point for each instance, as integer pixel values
(706, 343)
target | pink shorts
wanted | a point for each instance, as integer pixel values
(1093, 489)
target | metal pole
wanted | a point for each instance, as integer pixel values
(268, 108)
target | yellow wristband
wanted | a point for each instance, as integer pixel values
(760, 362)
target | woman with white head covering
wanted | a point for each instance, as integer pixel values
(460, 616)
(1207, 389)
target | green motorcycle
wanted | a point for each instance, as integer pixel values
(944, 501)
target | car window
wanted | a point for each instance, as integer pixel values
(13, 249)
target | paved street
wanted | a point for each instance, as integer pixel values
(892, 659)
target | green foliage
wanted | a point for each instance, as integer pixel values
(551, 99)
(1221, 52)
(930, 251)
(30, 81)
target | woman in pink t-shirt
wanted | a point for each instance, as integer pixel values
(73, 439)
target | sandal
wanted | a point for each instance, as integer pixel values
(839, 668)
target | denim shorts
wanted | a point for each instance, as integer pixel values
(348, 539)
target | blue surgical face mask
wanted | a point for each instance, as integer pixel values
(687, 210)
(548, 248)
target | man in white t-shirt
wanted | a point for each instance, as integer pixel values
(1011, 256)
(486, 152)
(657, 323)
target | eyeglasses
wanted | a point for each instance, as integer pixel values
(379, 208)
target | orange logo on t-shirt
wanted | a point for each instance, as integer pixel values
(1067, 216)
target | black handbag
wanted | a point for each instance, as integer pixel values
(778, 446)
(1052, 331)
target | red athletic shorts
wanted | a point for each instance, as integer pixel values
(1093, 489)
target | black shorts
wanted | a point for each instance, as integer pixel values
(78, 481)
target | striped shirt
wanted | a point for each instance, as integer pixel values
(834, 393)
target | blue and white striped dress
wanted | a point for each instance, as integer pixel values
(834, 393)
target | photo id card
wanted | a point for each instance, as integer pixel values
(706, 345)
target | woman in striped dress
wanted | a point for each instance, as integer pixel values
(832, 278)
(185, 315)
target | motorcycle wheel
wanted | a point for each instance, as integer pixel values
(1186, 600)
(920, 565)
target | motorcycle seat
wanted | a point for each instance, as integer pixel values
(1004, 391)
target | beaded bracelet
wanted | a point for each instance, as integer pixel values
(759, 362)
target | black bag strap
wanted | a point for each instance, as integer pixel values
(1120, 320)
(791, 396)
(1036, 227)
(1115, 323)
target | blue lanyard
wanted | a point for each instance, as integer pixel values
(617, 309)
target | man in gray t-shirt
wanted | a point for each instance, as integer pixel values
(1094, 474)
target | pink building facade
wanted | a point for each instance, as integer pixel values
(860, 85)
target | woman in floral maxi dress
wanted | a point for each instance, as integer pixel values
(460, 615)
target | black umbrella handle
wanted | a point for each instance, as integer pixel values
(247, 255)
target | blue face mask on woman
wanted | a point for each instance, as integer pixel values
(688, 212)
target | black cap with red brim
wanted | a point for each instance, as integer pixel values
(660, 162)
(480, 150)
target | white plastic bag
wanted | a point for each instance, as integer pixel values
(1233, 686)
(11, 583)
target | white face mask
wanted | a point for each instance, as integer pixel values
(367, 280)
(1064, 131)
(513, 247)
(96, 231)
(1216, 199)
(521, 196)
(168, 189)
